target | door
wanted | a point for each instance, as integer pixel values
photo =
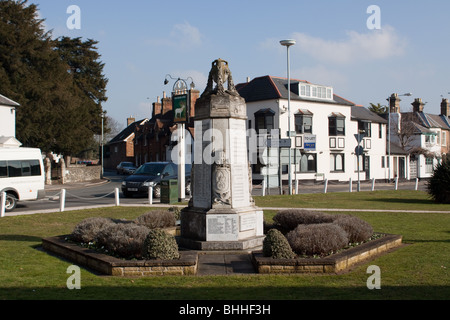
(367, 166)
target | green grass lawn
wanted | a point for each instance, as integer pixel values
(418, 270)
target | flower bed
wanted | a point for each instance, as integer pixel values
(336, 263)
(109, 265)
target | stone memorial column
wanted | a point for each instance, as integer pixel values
(221, 214)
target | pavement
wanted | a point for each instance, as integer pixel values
(225, 263)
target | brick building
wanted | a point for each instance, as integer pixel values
(152, 139)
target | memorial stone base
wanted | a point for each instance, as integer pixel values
(222, 229)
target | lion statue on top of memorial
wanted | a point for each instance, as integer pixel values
(220, 73)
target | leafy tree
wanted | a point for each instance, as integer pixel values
(60, 92)
(378, 108)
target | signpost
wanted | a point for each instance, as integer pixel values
(359, 151)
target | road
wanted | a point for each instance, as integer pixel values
(82, 195)
(102, 194)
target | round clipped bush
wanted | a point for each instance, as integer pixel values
(317, 239)
(357, 229)
(87, 230)
(160, 245)
(287, 220)
(123, 239)
(439, 185)
(156, 219)
(275, 245)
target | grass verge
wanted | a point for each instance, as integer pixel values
(419, 270)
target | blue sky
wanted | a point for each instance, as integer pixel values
(142, 41)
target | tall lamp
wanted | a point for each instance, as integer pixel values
(287, 44)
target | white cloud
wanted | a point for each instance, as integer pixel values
(322, 75)
(373, 45)
(184, 36)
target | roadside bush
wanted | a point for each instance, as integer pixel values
(158, 244)
(357, 229)
(156, 219)
(317, 239)
(438, 186)
(275, 245)
(176, 211)
(287, 220)
(87, 230)
(123, 239)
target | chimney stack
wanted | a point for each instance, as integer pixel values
(394, 103)
(445, 108)
(130, 120)
(418, 105)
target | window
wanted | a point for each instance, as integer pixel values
(264, 119)
(337, 162)
(365, 128)
(444, 138)
(336, 126)
(3, 169)
(428, 165)
(303, 124)
(380, 131)
(19, 168)
(308, 163)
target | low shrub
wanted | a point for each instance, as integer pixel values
(156, 219)
(87, 230)
(438, 186)
(287, 220)
(275, 245)
(357, 229)
(317, 239)
(176, 211)
(159, 244)
(123, 239)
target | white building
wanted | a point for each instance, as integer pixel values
(8, 122)
(424, 136)
(323, 126)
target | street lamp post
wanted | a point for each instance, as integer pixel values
(287, 44)
(103, 142)
(180, 87)
(389, 132)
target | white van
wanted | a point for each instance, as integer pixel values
(22, 175)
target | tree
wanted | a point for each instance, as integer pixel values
(82, 59)
(60, 109)
(378, 108)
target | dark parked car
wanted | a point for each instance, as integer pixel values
(126, 168)
(150, 174)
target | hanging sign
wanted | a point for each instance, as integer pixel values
(180, 108)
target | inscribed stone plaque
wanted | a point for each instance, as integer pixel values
(222, 227)
(248, 222)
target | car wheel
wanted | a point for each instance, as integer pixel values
(157, 191)
(11, 202)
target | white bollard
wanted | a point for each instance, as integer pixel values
(263, 191)
(296, 186)
(117, 197)
(396, 183)
(62, 200)
(325, 186)
(350, 186)
(373, 184)
(150, 195)
(2, 204)
(417, 184)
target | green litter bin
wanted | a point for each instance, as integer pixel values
(169, 191)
